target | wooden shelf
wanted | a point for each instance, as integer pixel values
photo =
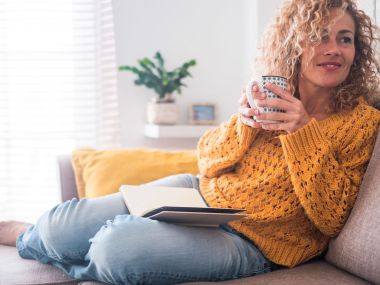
(175, 131)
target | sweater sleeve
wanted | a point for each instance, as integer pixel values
(221, 148)
(326, 180)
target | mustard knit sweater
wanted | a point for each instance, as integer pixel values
(297, 188)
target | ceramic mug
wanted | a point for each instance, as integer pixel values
(274, 79)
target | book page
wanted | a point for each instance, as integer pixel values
(141, 199)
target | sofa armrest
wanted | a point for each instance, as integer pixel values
(66, 178)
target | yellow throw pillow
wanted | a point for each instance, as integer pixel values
(101, 172)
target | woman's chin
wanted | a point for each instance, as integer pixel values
(330, 84)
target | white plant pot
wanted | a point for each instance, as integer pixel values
(163, 113)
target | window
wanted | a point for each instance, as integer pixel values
(57, 92)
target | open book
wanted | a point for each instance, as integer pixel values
(175, 205)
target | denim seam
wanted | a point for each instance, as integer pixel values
(138, 277)
(64, 258)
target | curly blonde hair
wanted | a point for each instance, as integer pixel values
(301, 21)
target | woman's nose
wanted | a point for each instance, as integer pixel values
(332, 48)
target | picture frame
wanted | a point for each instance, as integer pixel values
(203, 114)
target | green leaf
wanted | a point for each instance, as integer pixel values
(156, 77)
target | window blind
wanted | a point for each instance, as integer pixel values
(57, 93)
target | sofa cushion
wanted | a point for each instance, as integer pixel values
(357, 248)
(15, 270)
(101, 172)
(312, 273)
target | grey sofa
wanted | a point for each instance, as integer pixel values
(352, 258)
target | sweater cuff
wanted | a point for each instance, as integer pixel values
(304, 140)
(245, 132)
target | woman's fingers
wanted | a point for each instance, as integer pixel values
(248, 112)
(279, 91)
(249, 121)
(273, 116)
(293, 118)
(274, 103)
(256, 93)
(252, 89)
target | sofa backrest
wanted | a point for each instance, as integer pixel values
(66, 178)
(357, 248)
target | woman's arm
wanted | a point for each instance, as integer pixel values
(326, 180)
(221, 148)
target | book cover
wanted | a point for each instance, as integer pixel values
(175, 205)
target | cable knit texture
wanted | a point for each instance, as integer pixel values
(297, 188)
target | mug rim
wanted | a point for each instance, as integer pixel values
(274, 76)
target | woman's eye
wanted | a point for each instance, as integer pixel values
(346, 40)
(325, 39)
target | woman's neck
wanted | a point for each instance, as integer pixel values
(316, 100)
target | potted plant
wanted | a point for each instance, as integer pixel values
(162, 109)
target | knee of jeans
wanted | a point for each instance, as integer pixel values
(124, 248)
(177, 180)
(55, 230)
(193, 180)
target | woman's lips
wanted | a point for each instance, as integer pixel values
(330, 66)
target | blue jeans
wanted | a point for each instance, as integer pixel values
(97, 239)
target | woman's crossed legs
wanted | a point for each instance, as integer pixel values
(97, 239)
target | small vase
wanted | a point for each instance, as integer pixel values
(162, 113)
(168, 98)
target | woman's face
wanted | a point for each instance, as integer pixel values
(330, 63)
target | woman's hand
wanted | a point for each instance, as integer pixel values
(295, 116)
(246, 111)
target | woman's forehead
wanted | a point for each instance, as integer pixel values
(341, 20)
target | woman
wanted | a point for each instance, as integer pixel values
(297, 178)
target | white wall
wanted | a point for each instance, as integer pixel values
(368, 6)
(220, 34)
